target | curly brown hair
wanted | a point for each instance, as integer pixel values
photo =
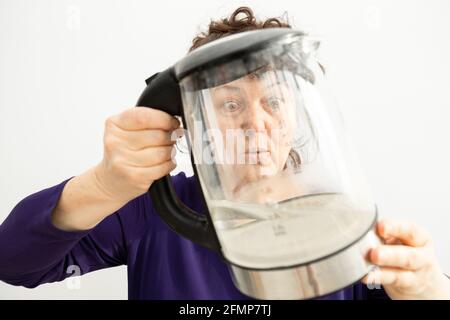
(234, 24)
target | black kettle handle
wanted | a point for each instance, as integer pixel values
(163, 93)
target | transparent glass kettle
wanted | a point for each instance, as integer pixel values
(288, 207)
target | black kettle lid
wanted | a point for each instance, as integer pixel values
(230, 47)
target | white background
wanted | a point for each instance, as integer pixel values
(65, 66)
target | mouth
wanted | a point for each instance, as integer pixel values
(259, 157)
(257, 150)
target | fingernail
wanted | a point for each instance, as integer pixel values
(180, 133)
(175, 121)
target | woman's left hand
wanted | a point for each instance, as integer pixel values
(406, 264)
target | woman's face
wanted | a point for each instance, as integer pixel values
(256, 118)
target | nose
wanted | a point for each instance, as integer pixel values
(255, 119)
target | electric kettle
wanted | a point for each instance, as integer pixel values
(289, 209)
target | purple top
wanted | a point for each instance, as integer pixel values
(161, 264)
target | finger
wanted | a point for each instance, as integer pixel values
(139, 118)
(158, 171)
(407, 232)
(137, 140)
(392, 240)
(399, 256)
(385, 276)
(151, 156)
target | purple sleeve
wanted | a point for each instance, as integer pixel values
(33, 251)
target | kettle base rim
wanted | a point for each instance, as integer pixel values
(318, 278)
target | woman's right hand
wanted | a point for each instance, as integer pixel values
(138, 149)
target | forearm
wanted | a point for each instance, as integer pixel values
(83, 203)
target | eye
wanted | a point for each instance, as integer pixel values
(230, 106)
(274, 103)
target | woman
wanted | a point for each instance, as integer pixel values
(104, 218)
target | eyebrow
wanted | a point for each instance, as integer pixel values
(275, 83)
(238, 89)
(228, 87)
